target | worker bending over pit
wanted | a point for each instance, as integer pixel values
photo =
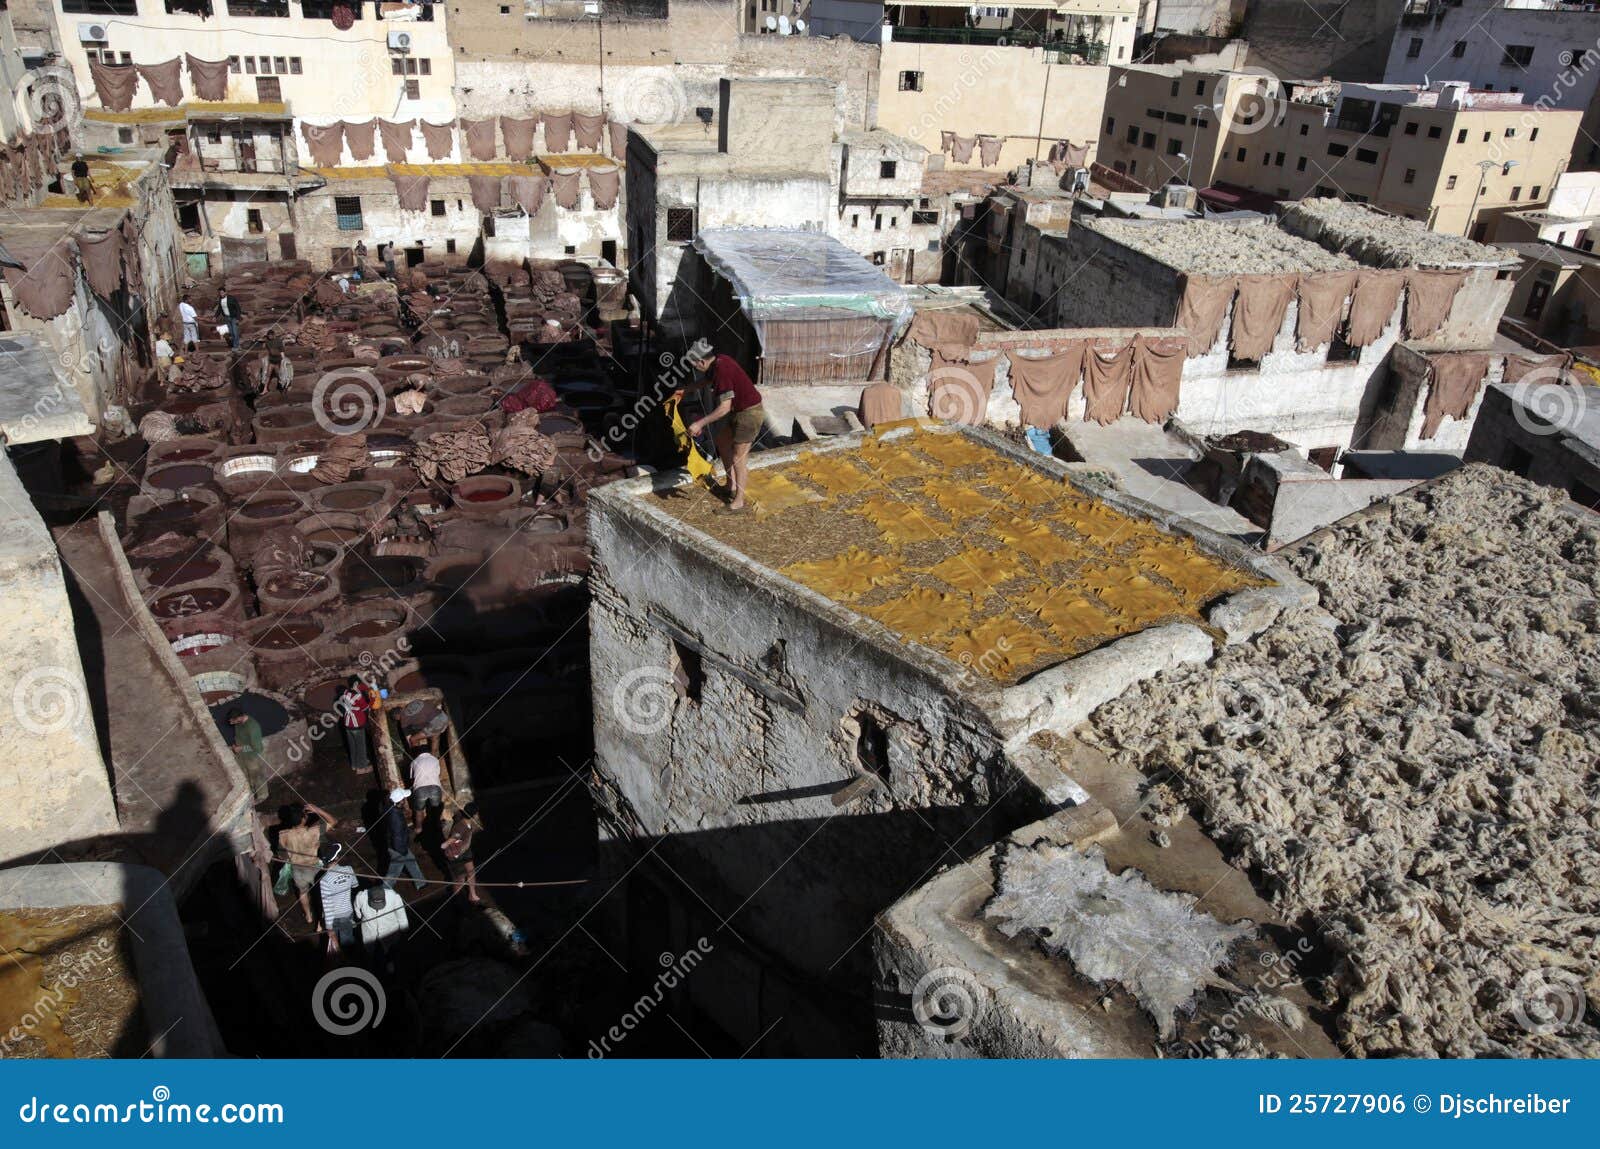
(738, 416)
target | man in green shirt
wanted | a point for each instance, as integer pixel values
(248, 745)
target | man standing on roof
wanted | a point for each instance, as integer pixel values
(738, 415)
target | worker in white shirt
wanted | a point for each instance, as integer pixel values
(164, 353)
(383, 917)
(191, 325)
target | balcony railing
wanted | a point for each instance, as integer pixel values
(1091, 52)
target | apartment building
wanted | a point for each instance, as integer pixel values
(1545, 50)
(1452, 158)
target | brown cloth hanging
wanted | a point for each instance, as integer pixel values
(396, 139)
(1106, 379)
(208, 78)
(477, 138)
(603, 186)
(46, 289)
(587, 127)
(565, 185)
(557, 131)
(163, 78)
(619, 138)
(947, 141)
(114, 84)
(1203, 307)
(961, 149)
(485, 192)
(1453, 382)
(934, 327)
(412, 190)
(880, 403)
(360, 138)
(989, 150)
(1519, 367)
(439, 138)
(325, 142)
(102, 261)
(132, 265)
(958, 390)
(518, 136)
(1069, 154)
(1429, 295)
(1322, 296)
(1157, 377)
(1372, 304)
(1043, 386)
(1258, 313)
(527, 192)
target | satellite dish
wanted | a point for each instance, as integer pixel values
(972, 10)
(783, 25)
(772, 23)
(799, 25)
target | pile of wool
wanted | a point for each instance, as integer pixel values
(1416, 780)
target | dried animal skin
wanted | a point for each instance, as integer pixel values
(1002, 647)
(899, 522)
(978, 571)
(846, 575)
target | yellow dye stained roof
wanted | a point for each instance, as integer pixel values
(956, 547)
(435, 171)
(163, 114)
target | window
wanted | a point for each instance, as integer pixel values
(449, 247)
(1341, 352)
(1199, 87)
(397, 66)
(294, 65)
(280, 65)
(1459, 49)
(347, 210)
(269, 90)
(1516, 193)
(1198, 122)
(1176, 118)
(1578, 57)
(233, 64)
(1148, 140)
(1534, 194)
(688, 673)
(505, 9)
(924, 217)
(1338, 150)
(1239, 155)
(877, 223)
(1533, 135)
(911, 81)
(1111, 124)
(1300, 164)
(1487, 136)
(1237, 364)
(1434, 131)
(437, 207)
(855, 219)
(1174, 147)
(1174, 88)
(124, 135)
(1266, 158)
(1517, 56)
(680, 224)
(1155, 113)
(1414, 49)
(413, 89)
(872, 745)
(1411, 127)
(1505, 168)
(250, 65)
(1277, 160)
(1511, 133)
(886, 169)
(1411, 176)
(252, 220)
(1326, 192)
(1461, 136)
(279, 8)
(1450, 184)
(1366, 156)
(894, 221)
(1133, 133)
(487, 222)
(101, 7)
(1305, 128)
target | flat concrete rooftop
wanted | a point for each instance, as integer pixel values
(958, 546)
(1212, 247)
(1382, 240)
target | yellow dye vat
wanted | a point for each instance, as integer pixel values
(845, 575)
(30, 1001)
(999, 566)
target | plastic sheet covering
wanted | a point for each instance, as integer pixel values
(775, 274)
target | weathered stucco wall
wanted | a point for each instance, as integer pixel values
(54, 786)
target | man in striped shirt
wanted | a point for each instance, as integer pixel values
(352, 709)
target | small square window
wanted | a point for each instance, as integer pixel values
(1174, 147)
(680, 224)
(1516, 193)
(425, 66)
(911, 81)
(1133, 133)
(1174, 87)
(1511, 133)
(1277, 160)
(1435, 131)
(437, 207)
(1461, 136)
(124, 135)
(1533, 134)
(294, 65)
(1411, 175)
(505, 9)
(1459, 50)
(1148, 140)
(449, 247)
(1450, 184)
(252, 220)
(886, 169)
(1414, 49)
(1239, 155)
(1111, 124)
(250, 65)
(1534, 194)
(1338, 150)
(1199, 87)
(413, 90)
(855, 219)
(1304, 129)
(1300, 164)
(397, 66)
(1411, 127)
(233, 64)
(280, 65)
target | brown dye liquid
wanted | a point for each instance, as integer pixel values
(179, 476)
(339, 535)
(321, 697)
(269, 508)
(421, 679)
(189, 602)
(381, 573)
(371, 628)
(287, 636)
(182, 453)
(171, 513)
(486, 494)
(177, 571)
(351, 500)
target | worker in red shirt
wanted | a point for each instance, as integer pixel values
(352, 709)
(738, 416)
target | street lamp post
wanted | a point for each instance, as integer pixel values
(1483, 174)
(1194, 140)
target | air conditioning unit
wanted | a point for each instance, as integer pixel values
(399, 41)
(91, 33)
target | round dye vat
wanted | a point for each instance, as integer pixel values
(179, 475)
(388, 442)
(182, 454)
(542, 525)
(558, 424)
(284, 418)
(192, 644)
(182, 604)
(335, 535)
(302, 583)
(371, 628)
(456, 575)
(269, 508)
(263, 708)
(488, 493)
(181, 569)
(321, 697)
(286, 636)
(174, 512)
(353, 499)
(437, 679)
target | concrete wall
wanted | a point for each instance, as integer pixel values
(1202, 17)
(968, 89)
(1516, 430)
(54, 785)
(1308, 39)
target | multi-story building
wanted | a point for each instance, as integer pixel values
(1448, 156)
(1546, 50)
